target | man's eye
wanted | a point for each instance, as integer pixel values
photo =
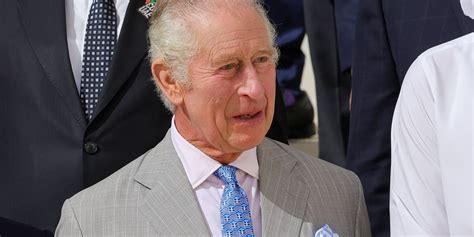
(229, 66)
(262, 59)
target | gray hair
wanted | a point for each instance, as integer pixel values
(173, 40)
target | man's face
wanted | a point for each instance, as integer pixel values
(230, 106)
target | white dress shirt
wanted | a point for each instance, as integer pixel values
(77, 12)
(431, 191)
(208, 188)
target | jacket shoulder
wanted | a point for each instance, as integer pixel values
(310, 168)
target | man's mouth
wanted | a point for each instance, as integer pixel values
(249, 115)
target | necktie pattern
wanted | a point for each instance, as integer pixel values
(101, 34)
(235, 210)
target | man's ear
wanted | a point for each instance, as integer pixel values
(162, 77)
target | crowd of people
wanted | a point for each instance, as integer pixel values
(172, 118)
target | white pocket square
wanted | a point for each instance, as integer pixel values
(325, 231)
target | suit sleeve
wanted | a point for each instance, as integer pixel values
(375, 89)
(10, 227)
(68, 224)
(416, 195)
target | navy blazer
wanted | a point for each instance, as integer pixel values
(390, 35)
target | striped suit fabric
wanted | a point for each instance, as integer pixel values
(152, 196)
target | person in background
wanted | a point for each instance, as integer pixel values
(214, 173)
(390, 35)
(288, 18)
(345, 13)
(76, 100)
(432, 144)
(329, 25)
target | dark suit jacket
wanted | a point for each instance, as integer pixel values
(331, 91)
(43, 159)
(390, 35)
(345, 12)
(9, 228)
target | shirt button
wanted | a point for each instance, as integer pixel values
(91, 148)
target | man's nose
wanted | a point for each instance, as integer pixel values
(252, 85)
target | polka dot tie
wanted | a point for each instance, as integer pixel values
(101, 34)
(235, 209)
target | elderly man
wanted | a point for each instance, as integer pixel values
(214, 173)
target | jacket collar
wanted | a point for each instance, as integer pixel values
(168, 199)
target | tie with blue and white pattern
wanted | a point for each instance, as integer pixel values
(235, 210)
(101, 34)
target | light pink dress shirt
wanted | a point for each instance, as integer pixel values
(208, 188)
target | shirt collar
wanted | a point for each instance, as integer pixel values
(199, 166)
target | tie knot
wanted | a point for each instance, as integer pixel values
(226, 173)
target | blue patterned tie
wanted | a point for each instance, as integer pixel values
(101, 34)
(235, 209)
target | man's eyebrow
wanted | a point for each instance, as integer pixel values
(226, 53)
(266, 50)
(223, 58)
(219, 54)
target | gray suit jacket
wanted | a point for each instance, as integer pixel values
(152, 196)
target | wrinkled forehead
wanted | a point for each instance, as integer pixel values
(241, 45)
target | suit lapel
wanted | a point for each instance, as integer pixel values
(169, 203)
(171, 207)
(45, 26)
(283, 197)
(131, 50)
